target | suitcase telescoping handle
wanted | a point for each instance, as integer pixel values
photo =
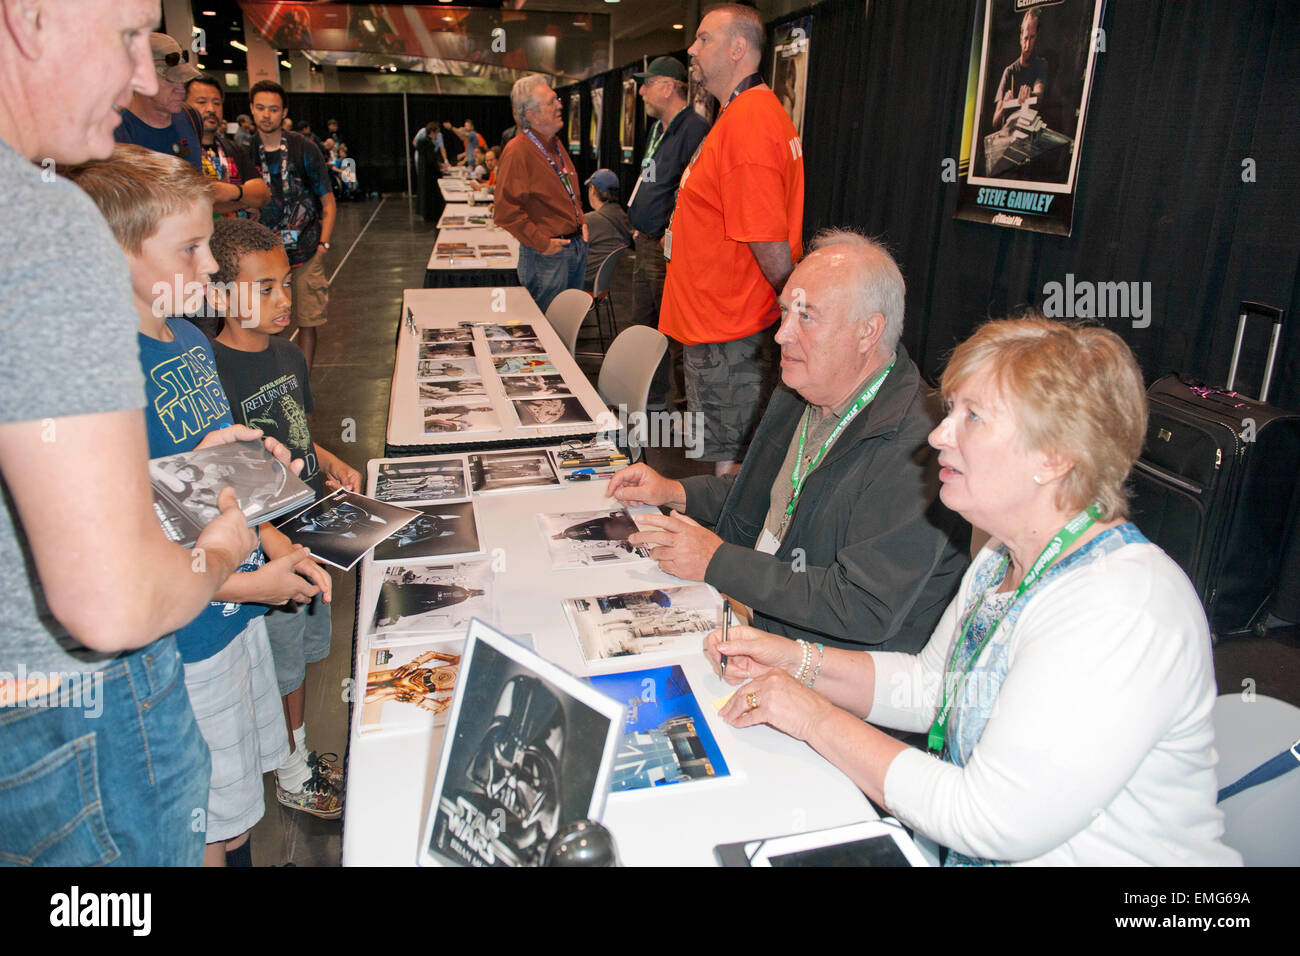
(1247, 310)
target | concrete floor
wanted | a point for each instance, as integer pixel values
(350, 383)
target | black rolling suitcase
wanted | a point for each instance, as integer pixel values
(1216, 486)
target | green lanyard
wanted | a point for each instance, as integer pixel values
(861, 402)
(1073, 530)
(654, 142)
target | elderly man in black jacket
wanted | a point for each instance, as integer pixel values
(832, 531)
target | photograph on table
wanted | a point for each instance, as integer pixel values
(452, 392)
(441, 370)
(562, 410)
(511, 471)
(640, 622)
(446, 350)
(340, 529)
(528, 749)
(186, 486)
(588, 539)
(448, 419)
(534, 386)
(431, 600)
(435, 336)
(516, 347)
(524, 365)
(410, 686)
(666, 739)
(441, 531)
(522, 330)
(495, 251)
(406, 481)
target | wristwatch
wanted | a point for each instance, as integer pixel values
(326, 245)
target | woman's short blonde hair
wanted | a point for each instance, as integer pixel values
(136, 188)
(1076, 391)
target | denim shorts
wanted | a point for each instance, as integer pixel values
(114, 774)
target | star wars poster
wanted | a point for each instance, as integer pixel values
(597, 108)
(528, 750)
(410, 686)
(591, 539)
(627, 117)
(419, 480)
(575, 121)
(610, 626)
(432, 600)
(790, 68)
(1031, 73)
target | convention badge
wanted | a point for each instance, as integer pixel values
(668, 245)
(290, 238)
(767, 543)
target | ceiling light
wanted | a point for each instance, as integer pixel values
(200, 66)
(677, 26)
(227, 61)
(209, 13)
(369, 25)
(286, 64)
(239, 46)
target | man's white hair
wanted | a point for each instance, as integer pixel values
(523, 97)
(878, 284)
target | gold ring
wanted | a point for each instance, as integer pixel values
(752, 701)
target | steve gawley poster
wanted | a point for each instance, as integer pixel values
(1031, 72)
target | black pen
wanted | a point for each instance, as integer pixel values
(726, 621)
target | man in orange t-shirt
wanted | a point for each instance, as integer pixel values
(733, 239)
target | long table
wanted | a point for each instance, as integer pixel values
(446, 309)
(443, 273)
(777, 785)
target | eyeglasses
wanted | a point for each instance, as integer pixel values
(173, 59)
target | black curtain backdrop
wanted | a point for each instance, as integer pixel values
(372, 126)
(1185, 92)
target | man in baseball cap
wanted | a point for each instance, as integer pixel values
(607, 226)
(663, 66)
(162, 122)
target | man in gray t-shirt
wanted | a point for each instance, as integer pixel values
(100, 759)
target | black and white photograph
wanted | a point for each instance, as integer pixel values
(441, 370)
(441, 531)
(186, 486)
(446, 350)
(564, 410)
(534, 386)
(452, 392)
(340, 529)
(590, 539)
(446, 419)
(516, 347)
(410, 686)
(524, 365)
(432, 599)
(520, 330)
(511, 471)
(529, 748)
(439, 336)
(639, 622)
(421, 480)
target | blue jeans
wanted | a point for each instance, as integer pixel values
(121, 778)
(545, 277)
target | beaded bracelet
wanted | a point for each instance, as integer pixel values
(807, 659)
(821, 657)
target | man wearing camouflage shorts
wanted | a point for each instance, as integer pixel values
(734, 237)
